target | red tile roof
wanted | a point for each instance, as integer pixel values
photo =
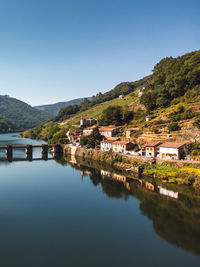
(133, 129)
(101, 129)
(121, 142)
(90, 128)
(153, 144)
(172, 145)
(112, 138)
(107, 141)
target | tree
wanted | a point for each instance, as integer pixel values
(148, 100)
(95, 138)
(83, 140)
(173, 126)
(188, 149)
(112, 115)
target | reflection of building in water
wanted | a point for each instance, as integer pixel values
(127, 185)
(84, 173)
(114, 176)
(106, 173)
(149, 186)
(119, 177)
(166, 192)
(73, 160)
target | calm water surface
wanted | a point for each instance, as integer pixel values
(68, 212)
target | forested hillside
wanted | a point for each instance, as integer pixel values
(174, 80)
(16, 115)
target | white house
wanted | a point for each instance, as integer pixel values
(148, 118)
(140, 93)
(106, 145)
(87, 131)
(171, 150)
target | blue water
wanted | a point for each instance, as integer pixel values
(55, 214)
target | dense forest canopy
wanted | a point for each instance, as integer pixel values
(173, 78)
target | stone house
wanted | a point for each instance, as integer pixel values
(87, 121)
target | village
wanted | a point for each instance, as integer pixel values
(118, 140)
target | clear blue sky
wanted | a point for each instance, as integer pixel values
(57, 50)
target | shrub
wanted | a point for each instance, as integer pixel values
(197, 123)
(173, 126)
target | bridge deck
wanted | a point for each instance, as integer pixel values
(25, 146)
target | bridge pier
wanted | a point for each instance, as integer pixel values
(44, 152)
(29, 157)
(29, 150)
(9, 153)
(44, 149)
(56, 149)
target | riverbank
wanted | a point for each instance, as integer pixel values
(177, 172)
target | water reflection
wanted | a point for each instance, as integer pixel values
(175, 215)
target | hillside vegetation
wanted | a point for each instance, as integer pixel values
(171, 98)
(174, 80)
(16, 115)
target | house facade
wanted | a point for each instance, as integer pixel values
(171, 150)
(106, 145)
(150, 149)
(87, 121)
(108, 131)
(87, 131)
(122, 146)
(129, 131)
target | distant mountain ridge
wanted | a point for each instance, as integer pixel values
(16, 115)
(53, 109)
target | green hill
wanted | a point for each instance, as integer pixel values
(16, 115)
(170, 96)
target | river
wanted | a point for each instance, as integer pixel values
(71, 212)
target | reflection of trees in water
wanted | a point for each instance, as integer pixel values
(172, 220)
(176, 221)
(95, 178)
(114, 189)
